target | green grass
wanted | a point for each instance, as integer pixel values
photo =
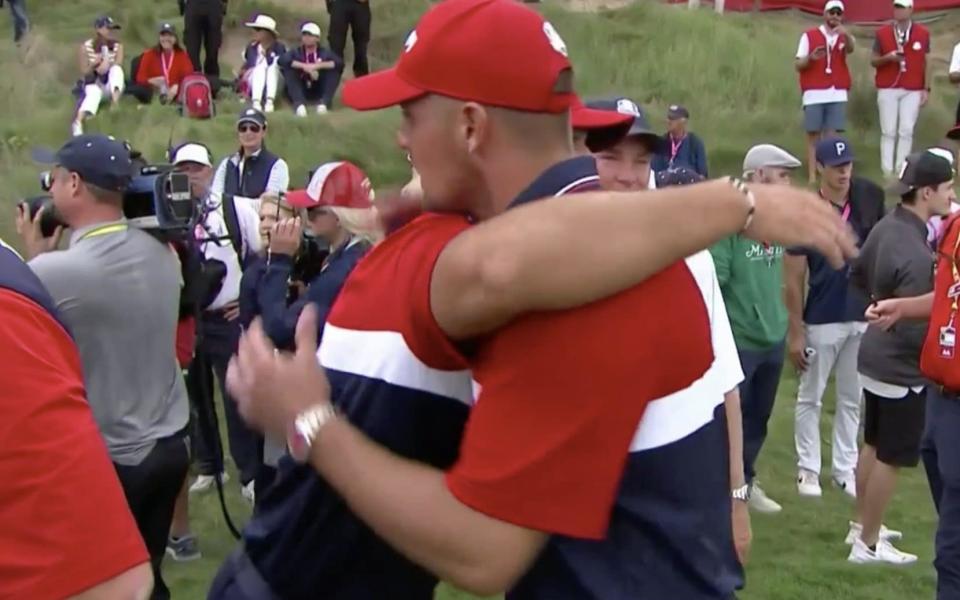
(734, 74)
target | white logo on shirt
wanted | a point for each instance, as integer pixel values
(556, 42)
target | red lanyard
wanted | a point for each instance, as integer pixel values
(311, 57)
(166, 66)
(675, 147)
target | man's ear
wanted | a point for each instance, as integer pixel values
(473, 125)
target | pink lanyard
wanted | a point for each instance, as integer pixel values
(311, 57)
(675, 147)
(845, 213)
(166, 66)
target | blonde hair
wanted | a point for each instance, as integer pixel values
(360, 222)
(286, 210)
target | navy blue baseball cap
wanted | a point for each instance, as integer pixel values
(252, 115)
(677, 112)
(105, 21)
(98, 159)
(833, 152)
(601, 139)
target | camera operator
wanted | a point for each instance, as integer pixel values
(117, 290)
(253, 170)
(227, 234)
(338, 211)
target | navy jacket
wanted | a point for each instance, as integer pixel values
(691, 154)
(299, 54)
(273, 53)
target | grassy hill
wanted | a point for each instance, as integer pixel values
(734, 74)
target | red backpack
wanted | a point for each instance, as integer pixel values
(196, 97)
(940, 356)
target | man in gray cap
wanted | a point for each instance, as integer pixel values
(751, 280)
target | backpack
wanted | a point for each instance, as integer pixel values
(196, 97)
(940, 356)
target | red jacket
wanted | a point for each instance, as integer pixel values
(151, 65)
(815, 76)
(915, 52)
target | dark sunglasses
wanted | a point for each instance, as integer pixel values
(251, 127)
(835, 12)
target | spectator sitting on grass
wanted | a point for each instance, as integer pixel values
(100, 70)
(163, 67)
(260, 74)
(311, 72)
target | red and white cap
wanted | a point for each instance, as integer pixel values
(340, 184)
(585, 118)
(495, 52)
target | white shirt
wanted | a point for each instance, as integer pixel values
(680, 414)
(887, 390)
(820, 96)
(215, 244)
(955, 60)
(278, 181)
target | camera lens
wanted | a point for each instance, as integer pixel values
(50, 220)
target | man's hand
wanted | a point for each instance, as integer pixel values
(34, 242)
(271, 388)
(796, 345)
(231, 311)
(884, 313)
(794, 217)
(742, 533)
(818, 53)
(285, 237)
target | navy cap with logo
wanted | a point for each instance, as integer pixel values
(677, 112)
(833, 152)
(98, 159)
(168, 28)
(640, 127)
(252, 115)
(105, 21)
(929, 168)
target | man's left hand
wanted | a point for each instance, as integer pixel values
(742, 534)
(34, 242)
(271, 388)
(285, 237)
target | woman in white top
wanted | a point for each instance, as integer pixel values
(100, 58)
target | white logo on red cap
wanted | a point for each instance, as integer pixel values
(411, 41)
(556, 42)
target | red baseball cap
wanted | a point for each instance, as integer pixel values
(340, 184)
(495, 52)
(583, 117)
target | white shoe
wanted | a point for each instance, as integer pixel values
(268, 107)
(861, 554)
(301, 111)
(761, 503)
(847, 484)
(808, 484)
(321, 109)
(890, 535)
(204, 482)
(247, 492)
(257, 105)
(76, 128)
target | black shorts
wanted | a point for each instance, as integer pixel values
(894, 427)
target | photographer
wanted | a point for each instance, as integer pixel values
(339, 212)
(228, 236)
(117, 290)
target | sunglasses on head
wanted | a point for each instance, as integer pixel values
(251, 127)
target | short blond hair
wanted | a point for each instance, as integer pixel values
(360, 222)
(281, 204)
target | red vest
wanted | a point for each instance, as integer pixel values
(939, 358)
(815, 76)
(915, 52)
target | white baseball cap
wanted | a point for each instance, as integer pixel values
(263, 22)
(310, 28)
(192, 153)
(832, 4)
(768, 155)
(903, 3)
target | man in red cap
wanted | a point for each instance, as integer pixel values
(559, 393)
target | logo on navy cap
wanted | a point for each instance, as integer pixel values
(625, 106)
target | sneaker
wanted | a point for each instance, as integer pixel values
(257, 105)
(861, 554)
(890, 535)
(204, 482)
(761, 503)
(808, 484)
(76, 128)
(183, 549)
(847, 484)
(321, 109)
(268, 107)
(248, 493)
(301, 111)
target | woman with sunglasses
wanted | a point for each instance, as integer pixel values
(100, 58)
(253, 170)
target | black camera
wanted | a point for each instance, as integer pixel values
(308, 263)
(160, 201)
(50, 219)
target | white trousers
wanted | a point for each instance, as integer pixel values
(899, 110)
(263, 80)
(836, 345)
(94, 93)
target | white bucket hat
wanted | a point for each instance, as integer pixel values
(263, 22)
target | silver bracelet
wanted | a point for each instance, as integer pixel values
(751, 201)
